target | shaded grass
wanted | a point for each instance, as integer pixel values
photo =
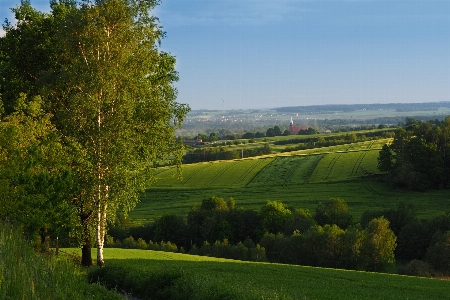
(25, 274)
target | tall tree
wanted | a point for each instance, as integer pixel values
(379, 245)
(117, 100)
(110, 90)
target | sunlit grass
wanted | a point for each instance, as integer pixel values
(248, 280)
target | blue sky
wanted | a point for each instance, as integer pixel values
(240, 54)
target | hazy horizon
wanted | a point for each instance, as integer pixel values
(257, 54)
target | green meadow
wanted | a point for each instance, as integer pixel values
(299, 178)
(213, 278)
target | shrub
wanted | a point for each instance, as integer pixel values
(438, 255)
(417, 268)
(129, 243)
(141, 244)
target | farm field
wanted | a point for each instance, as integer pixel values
(300, 178)
(360, 195)
(240, 172)
(212, 174)
(276, 280)
(296, 139)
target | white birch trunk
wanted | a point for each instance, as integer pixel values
(101, 231)
(100, 261)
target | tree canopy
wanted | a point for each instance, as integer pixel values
(419, 156)
(98, 68)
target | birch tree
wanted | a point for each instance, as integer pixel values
(110, 90)
(114, 96)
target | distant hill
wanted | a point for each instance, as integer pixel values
(399, 107)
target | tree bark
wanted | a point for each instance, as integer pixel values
(86, 255)
(101, 228)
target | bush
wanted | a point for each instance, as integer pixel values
(417, 268)
(438, 255)
(241, 251)
(129, 243)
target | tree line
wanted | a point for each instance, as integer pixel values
(329, 237)
(220, 153)
(276, 233)
(335, 139)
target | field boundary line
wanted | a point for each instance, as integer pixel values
(248, 171)
(230, 164)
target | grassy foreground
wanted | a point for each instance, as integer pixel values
(25, 274)
(164, 275)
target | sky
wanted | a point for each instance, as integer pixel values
(253, 54)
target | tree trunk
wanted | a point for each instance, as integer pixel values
(100, 238)
(86, 255)
(101, 231)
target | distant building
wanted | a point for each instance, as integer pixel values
(192, 142)
(295, 129)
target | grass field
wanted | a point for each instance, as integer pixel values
(299, 178)
(276, 281)
(230, 173)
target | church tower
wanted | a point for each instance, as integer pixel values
(291, 125)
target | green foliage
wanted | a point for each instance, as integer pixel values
(331, 246)
(301, 221)
(400, 216)
(216, 229)
(385, 160)
(274, 216)
(417, 268)
(170, 228)
(25, 274)
(379, 245)
(246, 251)
(275, 131)
(335, 211)
(99, 70)
(418, 157)
(36, 183)
(221, 153)
(308, 131)
(438, 254)
(209, 223)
